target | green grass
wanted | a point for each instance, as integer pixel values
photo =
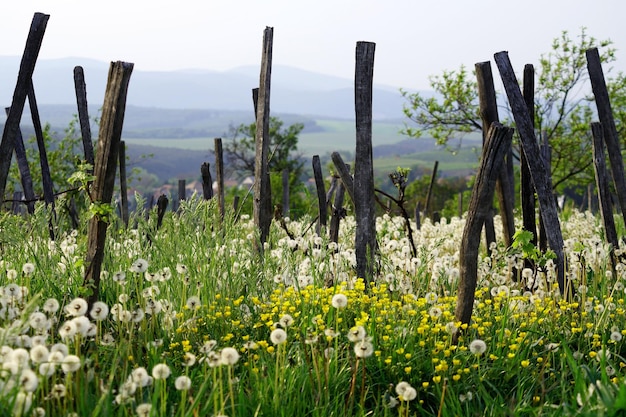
(195, 298)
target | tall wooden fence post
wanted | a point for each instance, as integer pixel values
(22, 164)
(364, 203)
(321, 194)
(489, 114)
(527, 192)
(27, 67)
(540, 173)
(105, 166)
(285, 199)
(611, 138)
(262, 207)
(429, 193)
(604, 191)
(496, 145)
(207, 181)
(83, 113)
(219, 173)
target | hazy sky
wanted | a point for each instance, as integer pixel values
(414, 38)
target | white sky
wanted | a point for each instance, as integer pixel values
(414, 38)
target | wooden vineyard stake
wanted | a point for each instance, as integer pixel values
(207, 181)
(489, 114)
(285, 199)
(27, 67)
(527, 190)
(83, 113)
(431, 186)
(364, 207)
(219, 173)
(344, 173)
(22, 164)
(539, 171)
(604, 191)
(102, 188)
(321, 194)
(496, 145)
(611, 137)
(262, 204)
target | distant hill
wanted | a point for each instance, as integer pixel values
(293, 90)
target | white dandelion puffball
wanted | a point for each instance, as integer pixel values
(339, 301)
(477, 347)
(229, 356)
(278, 336)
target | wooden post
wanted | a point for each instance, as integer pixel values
(489, 114)
(105, 166)
(338, 212)
(182, 192)
(496, 146)
(418, 219)
(48, 187)
(344, 173)
(604, 191)
(207, 181)
(162, 202)
(431, 186)
(27, 67)
(83, 113)
(321, 194)
(285, 199)
(262, 207)
(219, 173)
(123, 184)
(546, 157)
(22, 164)
(364, 203)
(540, 173)
(611, 138)
(527, 191)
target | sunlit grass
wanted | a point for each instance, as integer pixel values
(193, 322)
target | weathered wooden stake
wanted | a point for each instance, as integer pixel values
(489, 114)
(27, 67)
(219, 173)
(182, 192)
(604, 191)
(22, 164)
(418, 218)
(321, 194)
(496, 146)
(207, 181)
(338, 212)
(105, 166)
(364, 202)
(431, 187)
(262, 204)
(46, 178)
(83, 113)
(123, 184)
(540, 173)
(527, 191)
(611, 138)
(344, 173)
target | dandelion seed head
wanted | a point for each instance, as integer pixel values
(278, 336)
(182, 383)
(477, 347)
(161, 371)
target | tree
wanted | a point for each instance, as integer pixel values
(239, 154)
(563, 107)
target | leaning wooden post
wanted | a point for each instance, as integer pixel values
(344, 173)
(539, 171)
(431, 186)
(101, 192)
(489, 114)
(219, 173)
(182, 192)
(262, 207)
(611, 138)
(321, 194)
(527, 192)
(123, 184)
(496, 145)
(604, 191)
(338, 212)
(364, 203)
(83, 113)
(12, 123)
(22, 164)
(46, 178)
(207, 181)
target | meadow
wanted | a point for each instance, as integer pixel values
(193, 322)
